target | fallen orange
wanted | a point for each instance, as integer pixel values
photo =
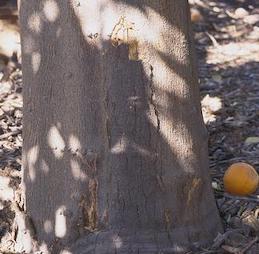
(241, 179)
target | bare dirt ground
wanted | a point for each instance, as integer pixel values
(227, 42)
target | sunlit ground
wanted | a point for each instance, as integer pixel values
(228, 50)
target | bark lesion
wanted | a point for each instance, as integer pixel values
(88, 205)
(194, 190)
(88, 202)
(124, 33)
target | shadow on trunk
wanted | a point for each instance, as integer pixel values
(115, 151)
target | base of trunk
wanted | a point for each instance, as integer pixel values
(178, 241)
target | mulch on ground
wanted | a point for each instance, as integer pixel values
(227, 42)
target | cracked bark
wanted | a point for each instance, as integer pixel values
(152, 102)
(149, 190)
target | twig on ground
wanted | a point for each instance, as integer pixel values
(214, 42)
(219, 240)
(11, 133)
(249, 199)
(249, 245)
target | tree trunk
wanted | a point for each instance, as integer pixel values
(115, 149)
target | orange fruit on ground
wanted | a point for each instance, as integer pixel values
(241, 179)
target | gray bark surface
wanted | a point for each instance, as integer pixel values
(115, 149)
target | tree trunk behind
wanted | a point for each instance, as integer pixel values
(115, 149)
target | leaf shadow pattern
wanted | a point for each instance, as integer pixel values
(100, 140)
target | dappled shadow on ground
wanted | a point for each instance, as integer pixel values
(226, 136)
(238, 119)
(228, 71)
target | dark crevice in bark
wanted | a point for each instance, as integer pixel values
(106, 107)
(108, 132)
(152, 90)
(161, 183)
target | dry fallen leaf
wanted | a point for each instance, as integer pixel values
(252, 19)
(196, 15)
(241, 13)
(213, 104)
(252, 140)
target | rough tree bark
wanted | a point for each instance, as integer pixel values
(115, 149)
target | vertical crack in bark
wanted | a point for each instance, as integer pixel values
(108, 131)
(152, 97)
(107, 121)
(168, 219)
(161, 183)
(138, 214)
